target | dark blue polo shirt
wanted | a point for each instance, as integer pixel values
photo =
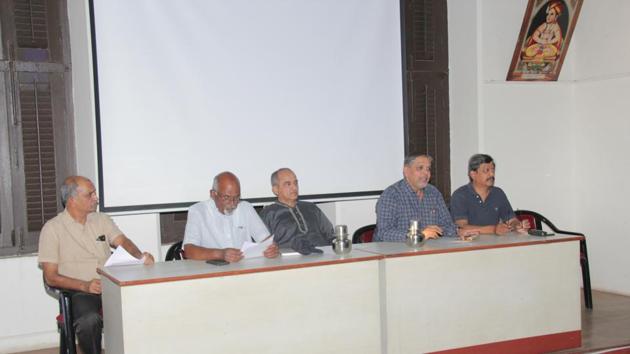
(466, 204)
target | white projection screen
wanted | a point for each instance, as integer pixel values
(186, 89)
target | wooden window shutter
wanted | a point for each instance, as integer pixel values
(426, 98)
(426, 35)
(31, 26)
(428, 125)
(39, 153)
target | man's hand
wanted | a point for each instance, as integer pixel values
(93, 286)
(518, 226)
(232, 255)
(521, 226)
(467, 234)
(501, 228)
(271, 251)
(148, 258)
(432, 231)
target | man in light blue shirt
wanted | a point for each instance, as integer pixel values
(218, 227)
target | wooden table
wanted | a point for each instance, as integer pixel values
(505, 293)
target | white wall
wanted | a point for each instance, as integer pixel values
(602, 163)
(34, 325)
(32, 317)
(559, 146)
(28, 312)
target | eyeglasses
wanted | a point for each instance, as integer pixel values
(228, 198)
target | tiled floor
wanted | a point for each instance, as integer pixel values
(607, 325)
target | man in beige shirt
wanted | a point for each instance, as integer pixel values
(72, 246)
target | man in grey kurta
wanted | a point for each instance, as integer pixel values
(295, 224)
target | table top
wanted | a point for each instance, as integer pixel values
(453, 244)
(188, 269)
(191, 269)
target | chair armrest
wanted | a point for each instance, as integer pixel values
(558, 231)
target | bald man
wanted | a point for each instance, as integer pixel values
(72, 245)
(217, 228)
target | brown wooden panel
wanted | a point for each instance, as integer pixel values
(426, 35)
(172, 226)
(426, 98)
(31, 26)
(427, 124)
(39, 154)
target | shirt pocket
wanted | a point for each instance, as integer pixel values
(241, 234)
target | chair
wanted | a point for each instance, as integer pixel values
(175, 252)
(536, 221)
(67, 343)
(364, 234)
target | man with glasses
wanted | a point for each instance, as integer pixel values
(217, 228)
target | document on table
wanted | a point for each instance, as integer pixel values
(122, 257)
(251, 249)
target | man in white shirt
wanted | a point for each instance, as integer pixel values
(218, 227)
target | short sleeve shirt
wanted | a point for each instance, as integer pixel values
(466, 204)
(77, 249)
(208, 227)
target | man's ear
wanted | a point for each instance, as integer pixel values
(274, 189)
(212, 193)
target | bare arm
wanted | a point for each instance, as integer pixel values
(129, 246)
(54, 279)
(201, 253)
(488, 229)
(537, 35)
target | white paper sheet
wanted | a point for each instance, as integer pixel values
(251, 249)
(122, 257)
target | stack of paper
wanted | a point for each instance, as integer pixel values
(251, 249)
(122, 257)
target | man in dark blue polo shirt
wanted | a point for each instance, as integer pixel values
(481, 206)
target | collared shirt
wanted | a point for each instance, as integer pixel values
(466, 204)
(77, 249)
(304, 220)
(399, 204)
(208, 227)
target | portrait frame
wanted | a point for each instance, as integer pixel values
(544, 40)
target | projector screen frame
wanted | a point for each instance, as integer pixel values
(326, 197)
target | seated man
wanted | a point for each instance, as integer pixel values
(413, 198)
(217, 228)
(71, 246)
(295, 224)
(481, 206)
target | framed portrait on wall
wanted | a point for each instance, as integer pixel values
(544, 40)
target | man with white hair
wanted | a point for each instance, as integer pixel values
(294, 223)
(72, 246)
(217, 228)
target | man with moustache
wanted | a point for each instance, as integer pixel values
(480, 205)
(294, 223)
(413, 198)
(72, 246)
(217, 228)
